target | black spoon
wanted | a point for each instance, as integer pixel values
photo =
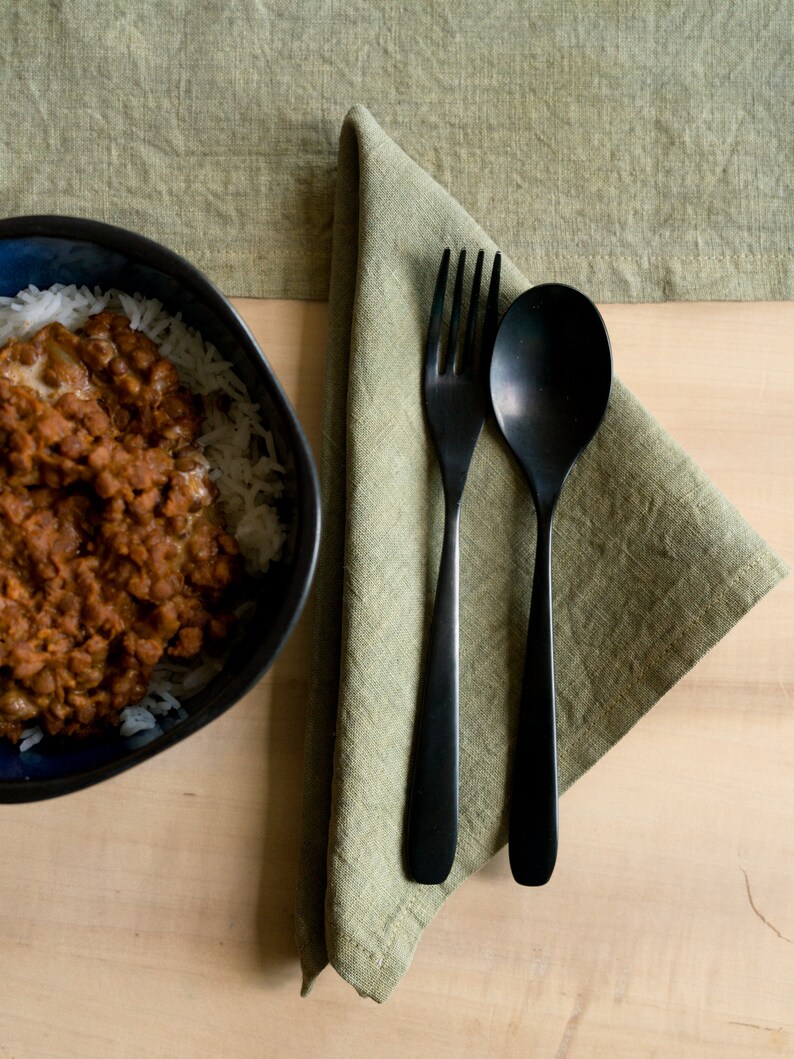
(551, 374)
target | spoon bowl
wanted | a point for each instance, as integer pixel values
(551, 376)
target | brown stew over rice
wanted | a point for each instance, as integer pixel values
(113, 552)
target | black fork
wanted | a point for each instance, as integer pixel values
(456, 402)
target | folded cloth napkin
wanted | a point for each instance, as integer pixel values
(652, 566)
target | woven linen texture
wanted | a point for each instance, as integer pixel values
(652, 566)
(640, 151)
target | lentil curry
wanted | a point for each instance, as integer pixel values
(113, 551)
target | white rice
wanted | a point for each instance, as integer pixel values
(239, 450)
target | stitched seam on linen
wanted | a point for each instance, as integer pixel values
(659, 656)
(374, 959)
(371, 956)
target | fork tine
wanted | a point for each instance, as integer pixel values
(490, 322)
(454, 319)
(437, 311)
(465, 361)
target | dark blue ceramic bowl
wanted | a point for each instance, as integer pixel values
(47, 250)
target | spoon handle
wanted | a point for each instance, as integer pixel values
(433, 814)
(533, 809)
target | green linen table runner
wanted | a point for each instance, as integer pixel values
(639, 150)
(652, 567)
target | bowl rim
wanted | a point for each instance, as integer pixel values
(308, 516)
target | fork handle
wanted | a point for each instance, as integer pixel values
(533, 808)
(433, 813)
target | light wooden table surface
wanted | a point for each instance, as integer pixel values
(152, 915)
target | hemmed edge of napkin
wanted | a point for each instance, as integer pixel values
(359, 136)
(320, 735)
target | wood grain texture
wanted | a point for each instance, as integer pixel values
(152, 916)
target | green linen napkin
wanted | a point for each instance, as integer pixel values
(652, 566)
